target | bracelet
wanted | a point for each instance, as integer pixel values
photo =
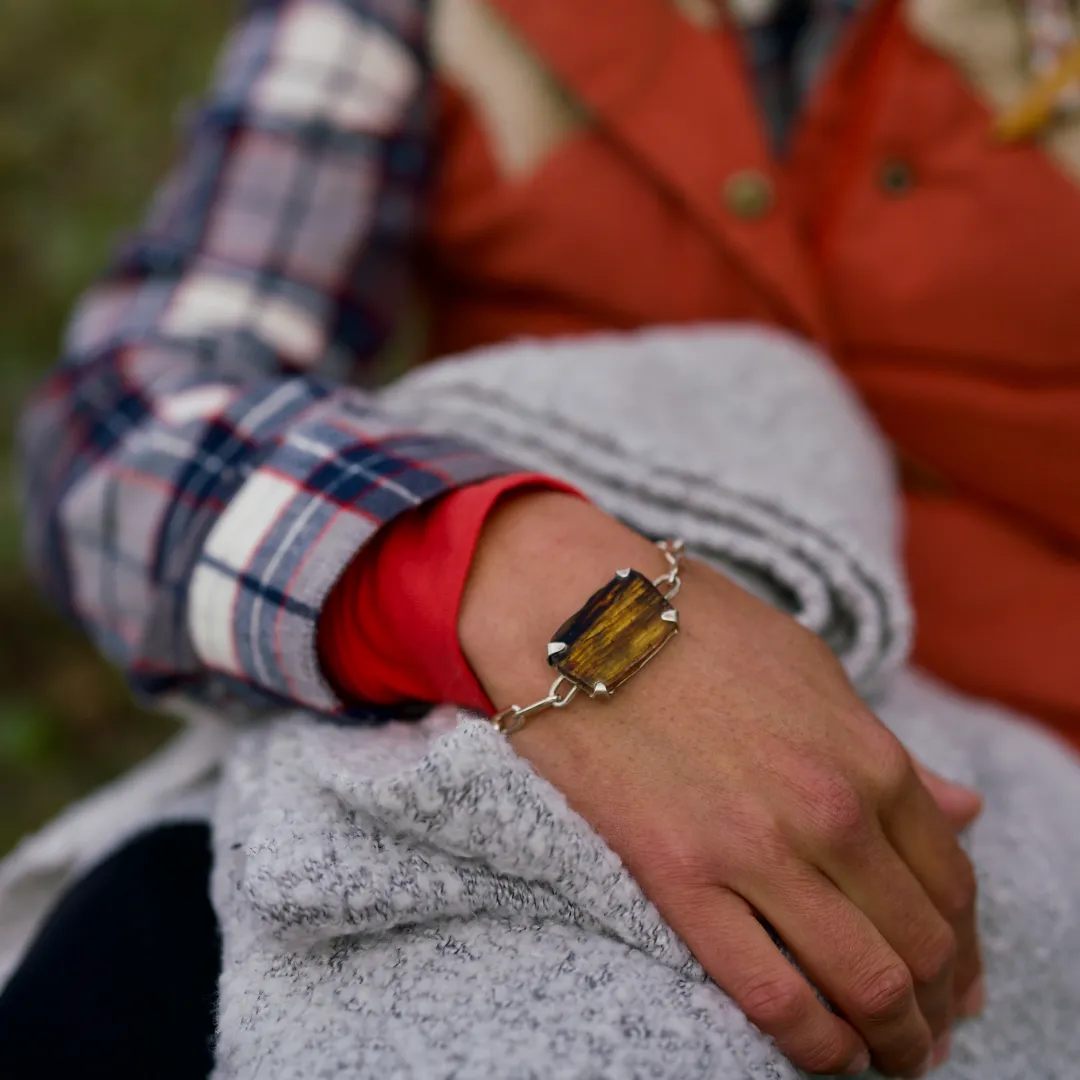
(621, 627)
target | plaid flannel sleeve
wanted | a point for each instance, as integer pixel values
(196, 473)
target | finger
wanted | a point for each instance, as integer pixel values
(925, 841)
(885, 890)
(960, 804)
(844, 954)
(734, 948)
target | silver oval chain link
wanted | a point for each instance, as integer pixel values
(673, 551)
(513, 717)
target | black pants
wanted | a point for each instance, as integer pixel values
(122, 979)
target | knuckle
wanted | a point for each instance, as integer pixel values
(937, 957)
(774, 1004)
(838, 815)
(887, 996)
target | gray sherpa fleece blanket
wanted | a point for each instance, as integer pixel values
(414, 902)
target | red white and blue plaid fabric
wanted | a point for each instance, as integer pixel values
(196, 474)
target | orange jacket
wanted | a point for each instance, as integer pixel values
(603, 166)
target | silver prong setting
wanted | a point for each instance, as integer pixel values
(556, 647)
(600, 690)
(671, 615)
(624, 573)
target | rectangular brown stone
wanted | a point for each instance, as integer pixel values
(619, 629)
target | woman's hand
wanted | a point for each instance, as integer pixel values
(740, 778)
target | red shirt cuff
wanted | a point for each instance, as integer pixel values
(388, 630)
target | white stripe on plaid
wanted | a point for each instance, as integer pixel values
(205, 304)
(328, 64)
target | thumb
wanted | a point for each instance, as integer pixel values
(960, 804)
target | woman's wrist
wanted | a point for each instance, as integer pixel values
(541, 554)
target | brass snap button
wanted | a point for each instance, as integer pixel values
(748, 194)
(896, 177)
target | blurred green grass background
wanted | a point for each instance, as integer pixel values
(89, 95)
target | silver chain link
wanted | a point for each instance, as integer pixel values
(513, 717)
(673, 551)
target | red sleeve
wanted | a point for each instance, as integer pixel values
(388, 630)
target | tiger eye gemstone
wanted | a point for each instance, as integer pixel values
(621, 627)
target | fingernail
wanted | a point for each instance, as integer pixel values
(974, 1001)
(942, 1049)
(859, 1064)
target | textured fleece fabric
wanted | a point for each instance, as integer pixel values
(414, 902)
